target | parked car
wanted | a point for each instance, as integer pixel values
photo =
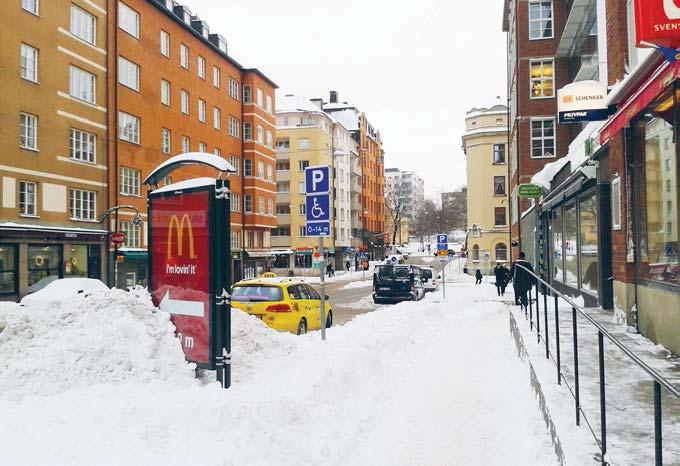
(285, 304)
(395, 283)
(429, 281)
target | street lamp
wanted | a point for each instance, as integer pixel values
(136, 221)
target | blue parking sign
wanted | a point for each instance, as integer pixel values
(441, 239)
(317, 179)
(318, 208)
(318, 229)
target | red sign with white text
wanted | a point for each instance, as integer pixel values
(657, 22)
(180, 267)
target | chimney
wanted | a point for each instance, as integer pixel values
(334, 97)
(317, 102)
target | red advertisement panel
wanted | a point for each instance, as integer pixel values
(180, 267)
(657, 22)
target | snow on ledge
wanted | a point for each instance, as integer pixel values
(186, 184)
(202, 158)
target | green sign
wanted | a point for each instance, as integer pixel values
(529, 190)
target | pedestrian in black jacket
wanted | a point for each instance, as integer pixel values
(478, 277)
(522, 280)
(501, 274)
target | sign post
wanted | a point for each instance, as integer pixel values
(443, 253)
(318, 222)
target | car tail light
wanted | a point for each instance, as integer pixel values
(282, 307)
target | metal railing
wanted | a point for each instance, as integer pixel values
(658, 380)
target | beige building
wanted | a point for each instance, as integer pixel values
(53, 162)
(484, 144)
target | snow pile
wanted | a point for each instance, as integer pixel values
(108, 337)
(357, 284)
(65, 288)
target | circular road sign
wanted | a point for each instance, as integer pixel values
(117, 237)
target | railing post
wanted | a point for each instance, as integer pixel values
(557, 343)
(531, 311)
(603, 407)
(658, 450)
(545, 322)
(538, 317)
(577, 395)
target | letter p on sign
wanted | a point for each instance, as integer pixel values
(317, 179)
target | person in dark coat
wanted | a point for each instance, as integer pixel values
(478, 277)
(501, 274)
(506, 279)
(522, 280)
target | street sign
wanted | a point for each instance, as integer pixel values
(442, 242)
(529, 190)
(442, 238)
(318, 207)
(318, 229)
(117, 237)
(317, 179)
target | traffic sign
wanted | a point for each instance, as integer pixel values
(117, 237)
(442, 239)
(318, 208)
(317, 179)
(318, 229)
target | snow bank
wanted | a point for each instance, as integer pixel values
(357, 284)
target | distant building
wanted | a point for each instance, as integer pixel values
(411, 189)
(454, 205)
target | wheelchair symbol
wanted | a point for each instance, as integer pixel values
(317, 211)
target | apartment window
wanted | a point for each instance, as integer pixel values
(27, 196)
(218, 152)
(128, 127)
(200, 63)
(260, 203)
(270, 173)
(302, 209)
(29, 63)
(28, 131)
(260, 134)
(283, 187)
(184, 56)
(82, 145)
(542, 78)
(303, 231)
(302, 164)
(500, 217)
(216, 77)
(282, 209)
(247, 167)
(165, 92)
(165, 140)
(247, 131)
(269, 140)
(269, 103)
(129, 181)
(499, 153)
(82, 85)
(235, 162)
(128, 73)
(540, 19)
(235, 201)
(32, 6)
(202, 148)
(260, 98)
(233, 126)
(184, 101)
(247, 95)
(281, 231)
(301, 187)
(165, 44)
(186, 144)
(235, 239)
(201, 110)
(283, 144)
(83, 25)
(283, 165)
(217, 116)
(499, 186)
(543, 138)
(82, 204)
(303, 143)
(233, 88)
(131, 230)
(128, 20)
(270, 206)
(247, 203)
(260, 169)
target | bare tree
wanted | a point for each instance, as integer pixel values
(396, 205)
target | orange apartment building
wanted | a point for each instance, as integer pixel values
(177, 90)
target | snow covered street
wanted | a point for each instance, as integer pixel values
(412, 384)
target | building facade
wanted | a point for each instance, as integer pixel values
(484, 143)
(53, 132)
(410, 190)
(454, 205)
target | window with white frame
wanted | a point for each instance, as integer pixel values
(200, 64)
(260, 169)
(247, 131)
(261, 205)
(165, 43)
(233, 126)
(269, 103)
(235, 201)
(302, 165)
(233, 88)
(202, 147)
(302, 209)
(184, 56)
(184, 101)
(247, 95)
(218, 151)
(165, 92)
(542, 138)
(128, 73)
(303, 231)
(247, 167)
(128, 127)
(542, 78)
(216, 77)
(260, 134)
(217, 116)
(303, 143)
(499, 153)
(83, 25)
(270, 206)
(260, 98)
(28, 131)
(269, 141)
(247, 203)
(616, 203)
(201, 110)
(82, 145)
(32, 6)
(166, 181)
(235, 162)
(283, 187)
(499, 186)
(29, 63)
(270, 173)
(235, 239)
(186, 144)
(82, 204)
(165, 141)
(540, 19)
(27, 198)
(131, 230)
(129, 181)
(301, 187)
(128, 20)
(82, 85)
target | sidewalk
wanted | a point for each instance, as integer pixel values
(629, 395)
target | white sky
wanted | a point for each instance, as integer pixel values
(414, 67)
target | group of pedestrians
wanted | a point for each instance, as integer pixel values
(520, 274)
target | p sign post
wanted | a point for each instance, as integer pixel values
(318, 220)
(443, 253)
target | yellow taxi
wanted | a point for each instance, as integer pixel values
(286, 304)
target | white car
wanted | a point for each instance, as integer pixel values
(430, 282)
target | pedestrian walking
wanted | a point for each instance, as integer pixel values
(506, 278)
(356, 263)
(478, 277)
(522, 280)
(329, 270)
(501, 276)
(348, 264)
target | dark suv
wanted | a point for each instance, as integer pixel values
(395, 283)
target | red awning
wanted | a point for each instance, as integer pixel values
(637, 102)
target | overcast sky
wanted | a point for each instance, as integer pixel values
(414, 67)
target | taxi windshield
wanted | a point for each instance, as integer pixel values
(256, 293)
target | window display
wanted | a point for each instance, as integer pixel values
(75, 260)
(557, 241)
(571, 246)
(43, 266)
(588, 246)
(8, 273)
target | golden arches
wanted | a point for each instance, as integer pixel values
(179, 228)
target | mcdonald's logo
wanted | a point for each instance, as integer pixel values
(179, 229)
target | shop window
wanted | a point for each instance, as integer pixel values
(557, 245)
(43, 266)
(616, 203)
(570, 246)
(8, 268)
(75, 260)
(588, 250)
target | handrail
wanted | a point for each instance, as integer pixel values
(653, 373)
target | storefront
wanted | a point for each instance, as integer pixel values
(130, 267)
(256, 263)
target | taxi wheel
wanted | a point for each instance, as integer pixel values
(302, 327)
(329, 319)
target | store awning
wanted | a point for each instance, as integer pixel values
(258, 254)
(647, 92)
(277, 252)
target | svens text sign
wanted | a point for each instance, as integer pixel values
(657, 22)
(180, 267)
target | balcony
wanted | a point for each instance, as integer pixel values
(356, 206)
(282, 175)
(280, 241)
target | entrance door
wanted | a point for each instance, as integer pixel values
(94, 262)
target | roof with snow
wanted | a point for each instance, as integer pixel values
(290, 103)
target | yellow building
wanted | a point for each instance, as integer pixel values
(402, 230)
(484, 144)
